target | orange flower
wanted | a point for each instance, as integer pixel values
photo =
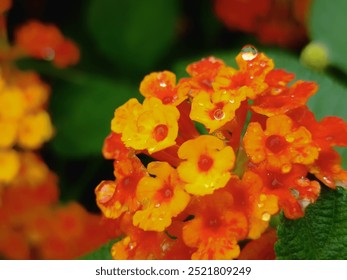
(162, 85)
(250, 199)
(260, 249)
(207, 164)
(329, 132)
(163, 197)
(215, 228)
(151, 126)
(250, 77)
(202, 75)
(217, 109)
(280, 145)
(114, 148)
(117, 197)
(139, 244)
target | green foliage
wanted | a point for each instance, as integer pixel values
(131, 33)
(321, 234)
(328, 26)
(83, 111)
(103, 253)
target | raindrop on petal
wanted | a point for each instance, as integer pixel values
(249, 53)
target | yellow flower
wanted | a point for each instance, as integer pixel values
(163, 197)
(8, 130)
(9, 165)
(12, 103)
(34, 130)
(217, 109)
(151, 126)
(207, 164)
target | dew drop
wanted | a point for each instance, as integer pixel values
(295, 193)
(132, 245)
(162, 84)
(249, 53)
(48, 54)
(328, 180)
(276, 91)
(219, 134)
(304, 203)
(218, 114)
(266, 217)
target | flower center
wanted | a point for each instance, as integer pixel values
(205, 163)
(276, 143)
(160, 132)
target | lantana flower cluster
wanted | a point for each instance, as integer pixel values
(205, 162)
(33, 224)
(275, 22)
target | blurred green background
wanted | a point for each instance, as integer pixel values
(123, 40)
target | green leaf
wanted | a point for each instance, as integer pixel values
(82, 112)
(321, 234)
(327, 25)
(103, 253)
(133, 34)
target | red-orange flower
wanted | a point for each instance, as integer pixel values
(202, 74)
(162, 85)
(215, 228)
(293, 190)
(280, 145)
(46, 42)
(117, 197)
(260, 249)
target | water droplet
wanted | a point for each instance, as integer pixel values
(266, 217)
(219, 135)
(295, 193)
(262, 64)
(260, 205)
(276, 91)
(249, 53)
(303, 182)
(218, 114)
(328, 180)
(132, 245)
(48, 54)
(157, 205)
(304, 203)
(232, 101)
(162, 84)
